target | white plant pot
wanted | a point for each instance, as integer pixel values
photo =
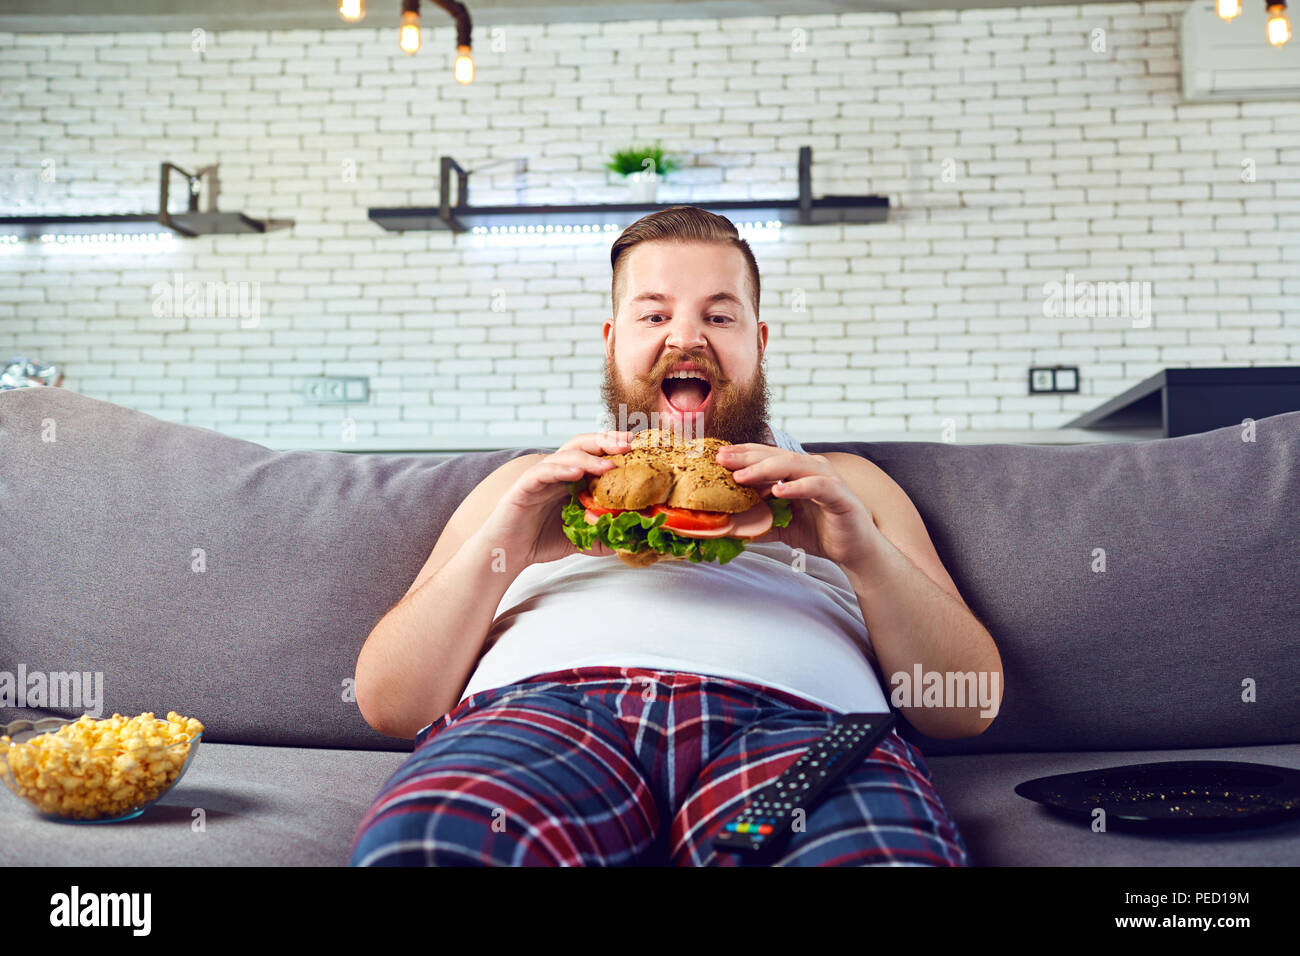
(642, 187)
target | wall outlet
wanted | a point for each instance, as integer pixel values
(1058, 378)
(336, 390)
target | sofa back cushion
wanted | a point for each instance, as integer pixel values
(196, 572)
(1141, 594)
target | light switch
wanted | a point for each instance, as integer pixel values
(1053, 379)
(336, 390)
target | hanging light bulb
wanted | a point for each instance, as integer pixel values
(464, 68)
(352, 10)
(1279, 27)
(1228, 9)
(409, 37)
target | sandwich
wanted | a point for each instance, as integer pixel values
(668, 498)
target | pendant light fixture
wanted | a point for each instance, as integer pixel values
(409, 37)
(1279, 27)
(1277, 30)
(463, 69)
(353, 11)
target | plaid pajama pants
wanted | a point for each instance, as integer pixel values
(628, 766)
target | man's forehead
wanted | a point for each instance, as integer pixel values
(667, 298)
(701, 266)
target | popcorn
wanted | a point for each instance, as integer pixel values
(91, 769)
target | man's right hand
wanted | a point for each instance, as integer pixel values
(527, 517)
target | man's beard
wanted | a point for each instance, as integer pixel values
(737, 411)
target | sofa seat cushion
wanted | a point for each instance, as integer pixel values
(262, 806)
(300, 806)
(1002, 828)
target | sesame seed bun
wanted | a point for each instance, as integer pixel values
(663, 468)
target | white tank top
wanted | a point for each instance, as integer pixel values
(756, 618)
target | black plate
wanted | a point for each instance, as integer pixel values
(1177, 794)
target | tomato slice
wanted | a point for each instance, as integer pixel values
(683, 519)
(589, 503)
(689, 520)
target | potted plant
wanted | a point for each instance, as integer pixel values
(642, 167)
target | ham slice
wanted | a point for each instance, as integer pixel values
(755, 522)
(748, 524)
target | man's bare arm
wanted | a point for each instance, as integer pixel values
(913, 610)
(418, 658)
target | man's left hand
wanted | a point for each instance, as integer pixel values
(846, 528)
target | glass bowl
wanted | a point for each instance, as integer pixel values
(74, 784)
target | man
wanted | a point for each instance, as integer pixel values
(586, 712)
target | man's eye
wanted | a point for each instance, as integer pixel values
(660, 315)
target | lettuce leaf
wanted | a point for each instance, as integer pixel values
(780, 511)
(632, 531)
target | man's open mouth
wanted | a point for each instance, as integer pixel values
(686, 391)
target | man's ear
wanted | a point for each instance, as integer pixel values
(607, 332)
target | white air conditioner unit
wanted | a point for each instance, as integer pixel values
(1233, 60)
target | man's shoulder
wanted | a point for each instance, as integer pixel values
(504, 475)
(872, 484)
(896, 516)
(847, 463)
(531, 458)
(520, 462)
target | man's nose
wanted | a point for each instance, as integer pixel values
(687, 337)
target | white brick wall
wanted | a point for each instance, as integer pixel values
(1013, 155)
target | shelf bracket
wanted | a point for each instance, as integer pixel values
(805, 185)
(444, 192)
(193, 188)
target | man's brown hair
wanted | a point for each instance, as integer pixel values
(682, 224)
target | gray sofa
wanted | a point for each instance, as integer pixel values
(212, 576)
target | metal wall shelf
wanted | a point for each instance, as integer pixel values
(462, 217)
(33, 227)
(190, 223)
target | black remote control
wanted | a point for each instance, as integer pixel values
(764, 826)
